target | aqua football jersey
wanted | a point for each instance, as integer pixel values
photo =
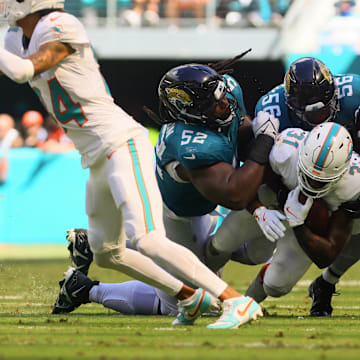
(274, 102)
(194, 147)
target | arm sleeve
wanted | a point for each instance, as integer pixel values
(16, 68)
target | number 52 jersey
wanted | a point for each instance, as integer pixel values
(74, 91)
(195, 147)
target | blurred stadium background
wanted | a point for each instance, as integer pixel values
(136, 42)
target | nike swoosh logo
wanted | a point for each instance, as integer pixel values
(242, 313)
(290, 212)
(192, 157)
(54, 18)
(198, 305)
(110, 155)
(74, 293)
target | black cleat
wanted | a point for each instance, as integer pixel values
(321, 293)
(80, 252)
(74, 291)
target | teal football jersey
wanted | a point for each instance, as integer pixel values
(274, 102)
(194, 147)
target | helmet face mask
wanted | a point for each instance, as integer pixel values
(14, 10)
(324, 158)
(311, 92)
(314, 188)
(195, 94)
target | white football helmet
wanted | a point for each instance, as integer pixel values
(324, 156)
(14, 10)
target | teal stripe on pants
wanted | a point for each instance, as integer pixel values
(141, 186)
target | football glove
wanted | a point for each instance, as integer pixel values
(266, 124)
(296, 212)
(270, 222)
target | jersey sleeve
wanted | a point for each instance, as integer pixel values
(284, 153)
(12, 40)
(274, 102)
(61, 27)
(348, 188)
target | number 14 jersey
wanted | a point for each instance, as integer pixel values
(74, 91)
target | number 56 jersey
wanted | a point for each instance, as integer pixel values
(284, 159)
(74, 91)
(348, 90)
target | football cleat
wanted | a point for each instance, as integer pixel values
(321, 293)
(237, 311)
(190, 309)
(74, 291)
(80, 252)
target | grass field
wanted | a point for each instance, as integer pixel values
(28, 282)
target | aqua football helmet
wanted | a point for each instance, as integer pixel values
(14, 10)
(191, 92)
(324, 158)
(311, 92)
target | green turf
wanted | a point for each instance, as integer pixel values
(28, 289)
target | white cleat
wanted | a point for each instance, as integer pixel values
(237, 311)
(190, 309)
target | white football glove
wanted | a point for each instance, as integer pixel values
(296, 212)
(265, 123)
(270, 222)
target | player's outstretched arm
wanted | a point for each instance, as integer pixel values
(49, 55)
(323, 250)
(229, 187)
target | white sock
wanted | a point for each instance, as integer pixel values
(330, 276)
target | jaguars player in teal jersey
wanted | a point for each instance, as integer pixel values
(310, 95)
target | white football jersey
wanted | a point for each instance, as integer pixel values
(283, 161)
(74, 91)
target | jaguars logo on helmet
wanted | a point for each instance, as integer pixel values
(177, 95)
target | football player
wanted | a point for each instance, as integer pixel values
(310, 95)
(50, 49)
(323, 287)
(318, 164)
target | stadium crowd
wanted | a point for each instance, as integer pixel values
(136, 13)
(32, 131)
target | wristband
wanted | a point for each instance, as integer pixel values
(261, 149)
